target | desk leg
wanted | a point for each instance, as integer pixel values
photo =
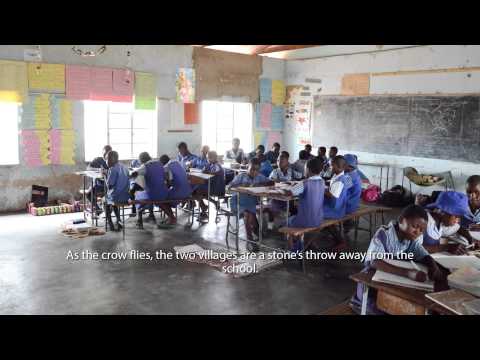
(260, 222)
(208, 199)
(364, 300)
(381, 178)
(123, 222)
(388, 175)
(237, 232)
(288, 215)
(93, 210)
(302, 242)
(84, 197)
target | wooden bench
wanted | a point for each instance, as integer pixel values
(340, 309)
(355, 216)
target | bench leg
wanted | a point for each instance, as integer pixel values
(357, 222)
(364, 300)
(226, 235)
(123, 222)
(302, 242)
(370, 223)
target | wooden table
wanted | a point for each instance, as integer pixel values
(266, 194)
(199, 178)
(394, 300)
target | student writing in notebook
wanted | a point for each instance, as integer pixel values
(472, 216)
(400, 237)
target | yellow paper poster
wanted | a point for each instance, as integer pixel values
(145, 91)
(278, 92)
(13, 81)
(46, 77)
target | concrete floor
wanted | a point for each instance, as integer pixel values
(36, 277)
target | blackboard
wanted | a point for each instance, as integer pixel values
(439, 127)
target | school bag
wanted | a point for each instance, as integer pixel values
(397, 196)
(371, 193)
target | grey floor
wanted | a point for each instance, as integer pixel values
(37, 278)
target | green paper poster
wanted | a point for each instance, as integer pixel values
(145, 91)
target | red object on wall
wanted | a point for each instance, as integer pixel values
(190, 115)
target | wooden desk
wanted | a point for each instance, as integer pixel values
(450, 302)
(92, 175)
(199, 178)
(394, 300)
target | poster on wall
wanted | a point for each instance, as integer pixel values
(185, 85)
(298, 109)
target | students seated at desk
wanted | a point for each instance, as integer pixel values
(285, 153)
(308, 149)
(273, 154)
(299, 165)
(259, 150)
(354, 193)
(235, 153)
(444, 220)
(98, 189)
(265, 165)
(217, 183)
(310, 204)
(472, 217)
(399, 237)
(177, 178)
(118, 185)
(184, 156)
(248, 204)
(202, 160)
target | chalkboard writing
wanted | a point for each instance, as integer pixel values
(440, 127)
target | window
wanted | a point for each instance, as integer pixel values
(222, 121)
(9, 134)
(128, 131)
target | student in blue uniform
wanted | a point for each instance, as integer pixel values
(299, 165)
(248, 204)
(400, 237)
(336, 196)
(201, 161)
(179, 186)
(310, 205)
(184, 155)
(355, 192)
(322, 155)
(444, 220)
(286, 154)
(273, 154)
(308, 149)
(472, 217)
(327, 170)
(265, 165)
(283, 173)
(217, 183)
(259, 150)
(118, 185)
(155, 188)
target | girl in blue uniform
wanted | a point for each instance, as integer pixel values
(472, 217)
(336, 196)
(248, 204)
(184, 155)
(179, 186)
(118, 185)
(265, 165)
(201, 161)
(155, 188)
(355, 192)
(310, 205)
(217, 183)
(444, 220)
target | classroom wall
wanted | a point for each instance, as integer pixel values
(331, 70)
(161, 60)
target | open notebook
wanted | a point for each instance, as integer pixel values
(454, 262)
(398, 280)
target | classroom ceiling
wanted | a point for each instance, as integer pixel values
(265, 50)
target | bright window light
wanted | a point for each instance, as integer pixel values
(222, 121)
(128, 131)
(9, 135)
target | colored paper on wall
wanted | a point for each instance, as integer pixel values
(13, 81)
(101, 80)
(123, 81)
(356, 84)
(78, 82)
(278, 92)
(266, 116)
(185, 85)
(260, 138)
(46, 77)
(278, 115)
(191, 113)
(273, 137)
(265, 90)
(145, 91)
(292, 93)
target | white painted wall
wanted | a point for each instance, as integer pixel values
(331, 70)
(161, 60)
